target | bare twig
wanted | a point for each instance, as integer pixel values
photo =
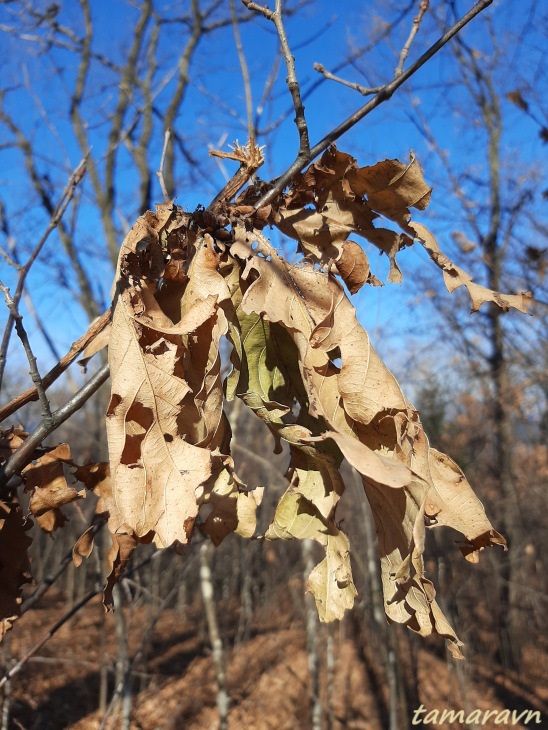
(160, 170)
(24, 453)
(138, 655)
(66, 617)
(250, 158)
(57, 214)
(245, 74)
(423, 7)
(47, 636)
(22, 334)
(43, 587)
(75, 349)
(384, 94)
(292, 83)
(363, 90)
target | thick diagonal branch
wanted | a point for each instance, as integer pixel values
(383, 95)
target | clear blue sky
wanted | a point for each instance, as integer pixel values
(37, 98)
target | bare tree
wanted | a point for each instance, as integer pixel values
(164, 255)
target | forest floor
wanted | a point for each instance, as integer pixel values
(174, 686)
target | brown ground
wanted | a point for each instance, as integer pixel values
(268, 677)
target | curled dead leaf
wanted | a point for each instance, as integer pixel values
(14, 562)
(454, 277)
(45, 480)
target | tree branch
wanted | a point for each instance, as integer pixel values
(423, 7)
(292, 83)
(34, 373)
(23, 455)
(384, 94)
(56, 216)
(75, 349)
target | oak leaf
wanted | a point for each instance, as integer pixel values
(454, 277)
(155, 471)
(14, 561)
(45, 479)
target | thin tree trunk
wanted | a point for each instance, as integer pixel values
(330, 674)
(123, 678)
(385, 638)
(206, 584)
(510, 644)
(6, 698)
(312, 628)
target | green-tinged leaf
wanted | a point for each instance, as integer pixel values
(269, 362)
(307, 511)
(331, 580)
(233, 506)
(296, 517)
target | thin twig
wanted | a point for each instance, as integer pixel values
(56, 216)
(250, 158)
(23, 455)
(160, 170)
(363, 90)
(54, 629)
(423, 7)
(292, 82)
(23, 336)
(75, 349)
(245, 74)
(43, 587)
(384, 94)
(66, 617)
(141, 649)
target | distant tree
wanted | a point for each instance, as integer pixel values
(186, 282)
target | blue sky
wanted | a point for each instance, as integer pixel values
(37, 98)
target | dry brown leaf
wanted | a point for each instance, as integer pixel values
(202, 419)
(307, 511)
(363, 400)
(124, 543)
(353, 266)
(14, 562)
(330, 582)
(96, 477)
(83, 547)
(46, 482)
(96, 345)
(233, 506)
(392, 188)
(338, 212)
(454, 277)
(336, 187)
(380, 469)
(155, 471)
(10, 440)
(93, 475)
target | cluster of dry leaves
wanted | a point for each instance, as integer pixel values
(185, 284)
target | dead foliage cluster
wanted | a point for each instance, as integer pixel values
(187, 284)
